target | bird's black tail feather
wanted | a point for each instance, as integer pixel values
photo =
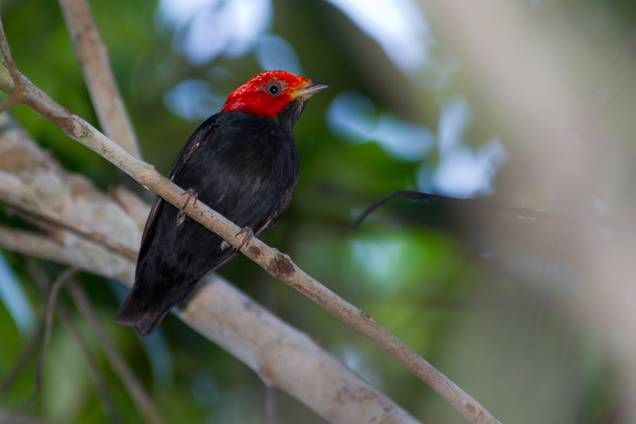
(135, 314)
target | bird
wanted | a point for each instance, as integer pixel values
(243, 163)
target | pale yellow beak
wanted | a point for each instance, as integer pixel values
(308, 90)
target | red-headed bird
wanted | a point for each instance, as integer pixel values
(243, 163)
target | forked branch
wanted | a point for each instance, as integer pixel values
(284, 357)
(270, 259)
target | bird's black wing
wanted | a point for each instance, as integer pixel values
(189, 148)
(242, 166)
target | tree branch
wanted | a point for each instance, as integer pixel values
(282, 356)
(49, 318)
(93, 57)
(51, 219)
(218, 311)
(527, 213)
(270, 259)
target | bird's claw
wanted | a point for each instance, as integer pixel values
(247, 234)
(190, 195)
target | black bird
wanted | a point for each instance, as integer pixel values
(243, 163)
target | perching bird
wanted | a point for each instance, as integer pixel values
(243, 163)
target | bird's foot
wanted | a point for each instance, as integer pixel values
(190, 196)
(247, 234)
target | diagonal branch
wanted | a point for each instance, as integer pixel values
(93, 57)
(48, 330)
(49, 218)
(526, 213)
(270, 259)
(278, 353)
(282, 356)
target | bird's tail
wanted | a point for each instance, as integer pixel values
(134, 313)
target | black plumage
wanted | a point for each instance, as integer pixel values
(243, 166)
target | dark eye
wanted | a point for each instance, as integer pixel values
(273, 89)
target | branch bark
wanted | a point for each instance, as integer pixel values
(277, 264)
(281, 355)
(93, 56)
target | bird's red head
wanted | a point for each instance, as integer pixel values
(269, 92)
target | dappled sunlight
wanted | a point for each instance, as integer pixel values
(379, 259)
(467, 172)
(205, 29)
(396, 261)
(462, 171)
(193, 99)
(354, 117)
(397, 25)
(274, 52)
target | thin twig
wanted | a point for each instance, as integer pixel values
(270, 259)
(42, 280)
(93, 57)
(476, 203)
(127, 376)
(48, 330)
(7, 57)
(50, 309)
(48, 323)
(13, 87)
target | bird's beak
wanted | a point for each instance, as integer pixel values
(309, 89)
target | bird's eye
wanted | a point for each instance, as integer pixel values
(274, 89)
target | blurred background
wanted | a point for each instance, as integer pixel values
(526, 103)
